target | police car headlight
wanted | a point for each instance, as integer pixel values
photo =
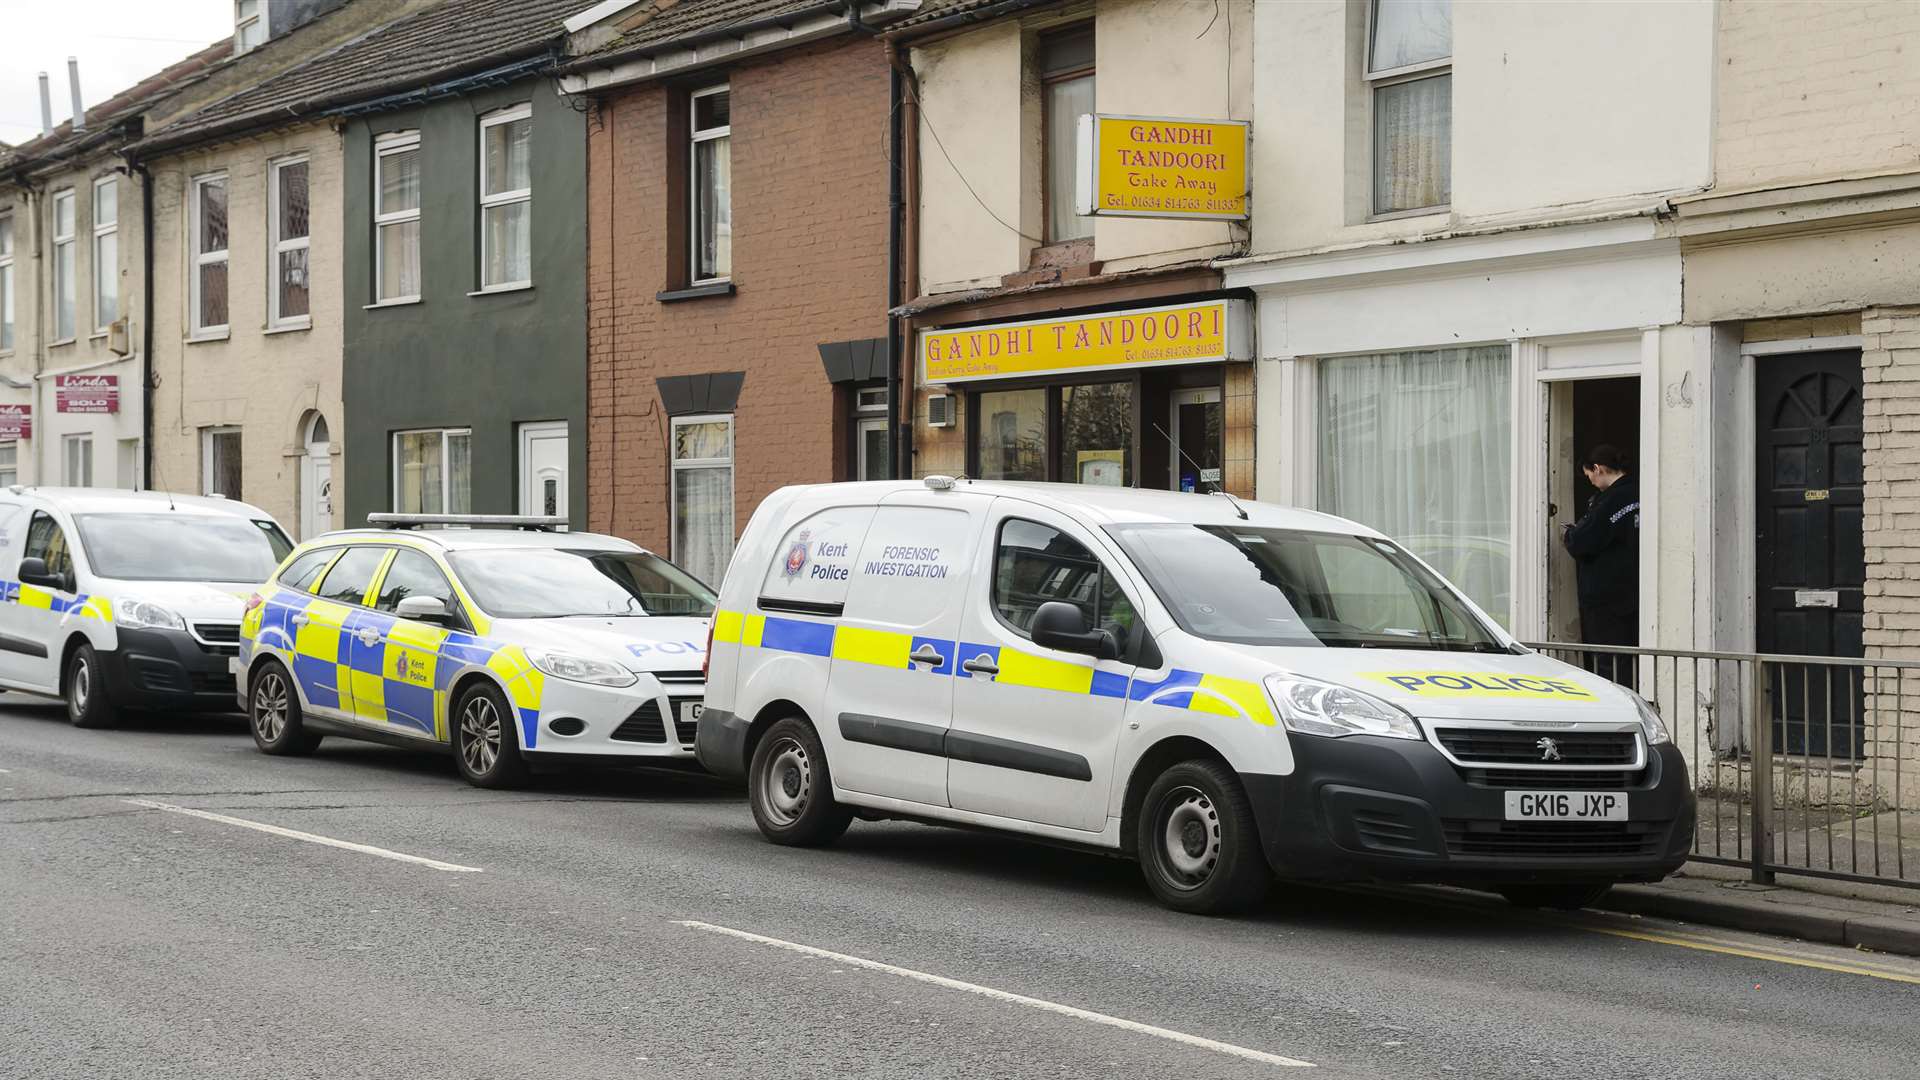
(145, 615)
(580, 668)
(1650, 721)
(1314, 707)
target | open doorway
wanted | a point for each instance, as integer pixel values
(1581, 414)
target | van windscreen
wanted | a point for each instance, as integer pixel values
(1260, 586)
(181, 547)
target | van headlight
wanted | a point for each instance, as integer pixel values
(1650, 721)
(146, 615)
(1315, 707)
(580, 668)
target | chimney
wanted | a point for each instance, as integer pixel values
(73, 82)
(46, 106)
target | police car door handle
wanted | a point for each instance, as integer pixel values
(299, 618)
(981, 665)
(367, 635)
(927, 654)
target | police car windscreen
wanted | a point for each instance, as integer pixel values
(1282, 587)
(181, 547)
(551, 584)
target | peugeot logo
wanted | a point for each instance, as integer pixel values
(1549, 750)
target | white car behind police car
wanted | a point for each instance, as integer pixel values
(506, 646)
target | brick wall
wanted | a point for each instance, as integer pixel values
(809, 144)
(1813, 88)
(1890, 365)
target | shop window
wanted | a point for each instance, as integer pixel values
(1409, 52)
(288, 229)
(1096, 434)
(9, 463)
(1418, 445)
(433, 471)
(396, 217)
(506, 198)
(1081, 433)
(712, 196)
(208, 231)
(63, 266)
(220, 461)
(1013, 435)
(106, 253)
(6, 282)
(702, 460)
(1066, 88)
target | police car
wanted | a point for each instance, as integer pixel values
(503, 642)
(1225, 690)
(126, 599)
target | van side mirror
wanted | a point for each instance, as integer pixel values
(1060, 625)
(426, 609)
(34, 572)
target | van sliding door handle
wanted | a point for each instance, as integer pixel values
(981, 665)
(299, 619)
(927, 654)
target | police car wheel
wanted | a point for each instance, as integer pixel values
(485, 746)
(1562, 896)
(1197, 842)
(790, 789)
(273, 714)
(88, 705)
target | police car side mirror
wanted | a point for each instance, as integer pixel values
(427, 609)
(34, 572)
(1060, 625)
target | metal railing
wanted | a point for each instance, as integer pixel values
(1799, 762)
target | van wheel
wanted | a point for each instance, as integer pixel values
(88, 705)
(1197, 842)
(486, 745)
(791, 790)
(273, 714)
(1562, 896)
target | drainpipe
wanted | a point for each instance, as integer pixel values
(146, 323)
(898, 434)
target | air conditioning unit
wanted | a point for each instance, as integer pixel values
(940, 410)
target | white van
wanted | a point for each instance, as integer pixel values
(127, 599)
(1224, 690)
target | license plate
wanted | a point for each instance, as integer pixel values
(690, 711)
(1566, 806)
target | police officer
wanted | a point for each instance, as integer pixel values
(1605, 545)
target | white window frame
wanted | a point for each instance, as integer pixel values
(385, 146)
(10, 470)
(239, 25)
(446, 458)
(695, 136)
(68, 444)
(73, 263)
(206, 258)
(679, 464)
(206, 458)
(8, 320)
(102, 230)
(278, 245)
(1375, 82)
(522, 111)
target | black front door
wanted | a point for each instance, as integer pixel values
(1811, 559)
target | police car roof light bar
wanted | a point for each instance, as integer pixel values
(530, 522)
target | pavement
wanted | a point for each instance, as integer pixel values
(174, 904)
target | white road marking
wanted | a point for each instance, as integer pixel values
(311, 838)
(1002, 995)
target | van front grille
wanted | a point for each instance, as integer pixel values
(1552, 839)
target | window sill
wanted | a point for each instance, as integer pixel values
(98, 335)
(57, 344)
(517, 286)
(289, 327)
(1402, 215)
(402, 302)
(201, 339)
(695, 292)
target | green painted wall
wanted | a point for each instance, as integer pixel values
(452, 360)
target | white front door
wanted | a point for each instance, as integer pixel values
(543, 469)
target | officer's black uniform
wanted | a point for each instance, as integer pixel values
(1605, 543)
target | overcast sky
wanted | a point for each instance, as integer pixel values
(118, 43)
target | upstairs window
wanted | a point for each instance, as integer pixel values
(249, 25)
(506, 198)
(63, 266)
(207, 229)
(288, 230)
(1066, 82)
(1409, 73)
(106, 253)
(712, 184)
(396, 217)
(6, 282)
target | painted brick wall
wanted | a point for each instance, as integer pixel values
(1813, 88)
(1890, 367)
(809, 144)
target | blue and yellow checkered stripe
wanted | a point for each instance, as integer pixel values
(33, 596)
(1178, 689)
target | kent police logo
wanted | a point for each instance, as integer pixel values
(402, 667)
(797, 555)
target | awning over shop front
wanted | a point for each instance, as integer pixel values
(1206, 331)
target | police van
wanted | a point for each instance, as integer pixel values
(497, 639)
(119, 600)
(1224, 690)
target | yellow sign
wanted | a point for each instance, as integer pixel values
(1455, 684)
(1145, 337)
(1150, 166)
